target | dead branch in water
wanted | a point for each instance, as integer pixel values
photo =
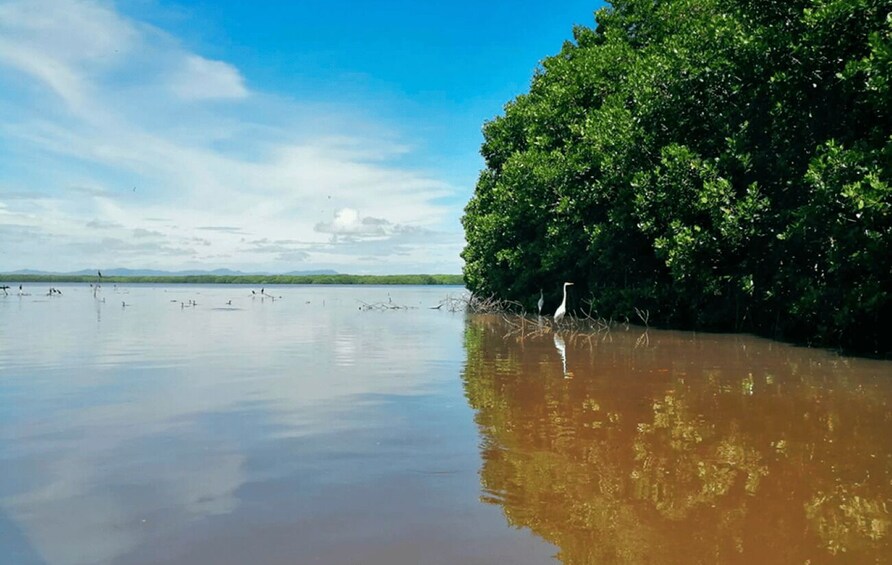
(453, 303)
(383, 306)
(477, 304)
(587, 325)
(523, 326)
(491, 305)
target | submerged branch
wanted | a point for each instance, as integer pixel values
(383, 306)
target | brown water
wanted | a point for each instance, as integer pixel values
(305, 430)
(287, 431)
(671, 447)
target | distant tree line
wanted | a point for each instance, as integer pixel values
(723, 164)
(243, 279)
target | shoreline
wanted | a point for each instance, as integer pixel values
(425, 280)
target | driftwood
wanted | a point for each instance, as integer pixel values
(383, 306)
(477, 304)
(461, 303)
(585, 325)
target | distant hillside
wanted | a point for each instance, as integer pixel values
(261, 279)
(120, 272)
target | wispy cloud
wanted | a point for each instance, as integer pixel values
(203, 79)
(102, 225)
(140, 232)
(224, 229)
(128, 133)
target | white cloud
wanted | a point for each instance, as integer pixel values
(61, 43)
(348, 222)
(201, 79)
(150, 130)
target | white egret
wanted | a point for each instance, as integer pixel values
(562, 309)
(541, 302)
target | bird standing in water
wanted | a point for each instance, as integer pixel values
(541, 302)
(562, 309)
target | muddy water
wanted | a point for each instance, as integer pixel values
(193, 425)
(207, 425)
(669, 447)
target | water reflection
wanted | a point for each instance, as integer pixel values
(562, 351)
(293, 430)
(676, 448)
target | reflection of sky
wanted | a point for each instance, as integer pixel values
(127, 428)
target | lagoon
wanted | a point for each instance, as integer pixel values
(305, 429)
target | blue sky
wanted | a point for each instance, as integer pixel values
(261, 136)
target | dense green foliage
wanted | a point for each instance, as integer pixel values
(724, 164)
(245, 279)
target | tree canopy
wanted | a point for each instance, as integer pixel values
(724, 164)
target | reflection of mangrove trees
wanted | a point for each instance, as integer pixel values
(684, 451)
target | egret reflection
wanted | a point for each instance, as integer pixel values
(561, 347)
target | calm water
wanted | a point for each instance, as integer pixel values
(304, 430)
